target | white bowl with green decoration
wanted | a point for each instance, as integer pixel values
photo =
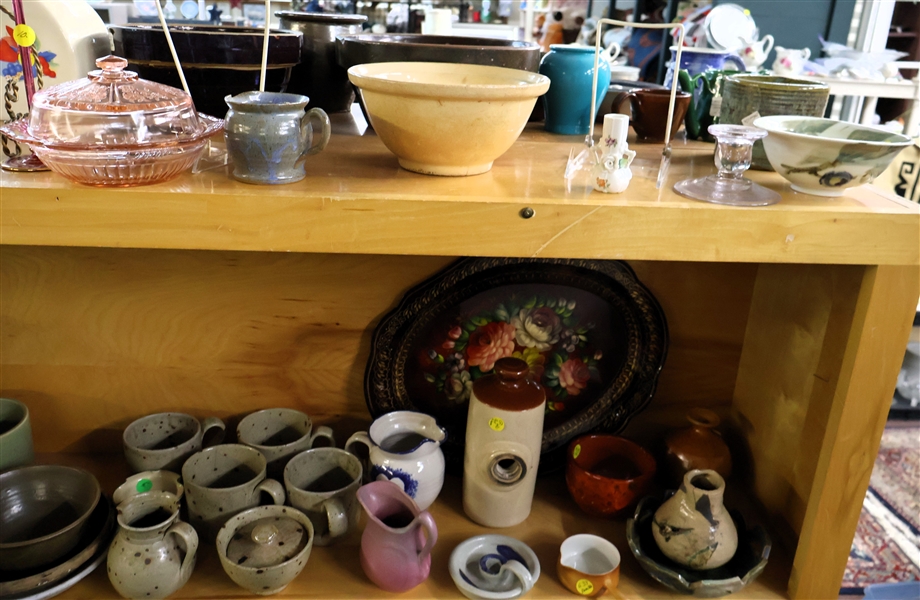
(823, 157)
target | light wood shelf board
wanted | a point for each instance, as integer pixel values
(357, 200)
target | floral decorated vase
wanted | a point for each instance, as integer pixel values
(692, 527)
(611, 173)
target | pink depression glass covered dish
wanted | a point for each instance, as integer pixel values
(114, 129)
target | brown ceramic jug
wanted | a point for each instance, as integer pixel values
(699, 446)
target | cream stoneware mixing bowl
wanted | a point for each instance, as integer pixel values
(823, 157)
(447, 119)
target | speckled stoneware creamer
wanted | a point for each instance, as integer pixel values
(153, 553)
(269, 136)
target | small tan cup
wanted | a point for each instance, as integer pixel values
(589, 565)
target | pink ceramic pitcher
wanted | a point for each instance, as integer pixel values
(397, 542)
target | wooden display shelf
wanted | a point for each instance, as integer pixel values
(356, 199)
(213, 297)
(335, 571)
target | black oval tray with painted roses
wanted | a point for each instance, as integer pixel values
(593, 335)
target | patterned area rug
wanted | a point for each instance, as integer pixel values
(885, 549)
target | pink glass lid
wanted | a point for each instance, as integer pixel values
(114, 108)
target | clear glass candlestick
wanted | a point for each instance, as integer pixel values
(734, 147)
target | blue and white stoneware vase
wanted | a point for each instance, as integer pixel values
(269, 136)
(404, 447)
(567, 104)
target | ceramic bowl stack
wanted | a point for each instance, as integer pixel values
(55, 526)
(823, 157)
(447, 119)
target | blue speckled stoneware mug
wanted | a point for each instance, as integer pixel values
(269, 136)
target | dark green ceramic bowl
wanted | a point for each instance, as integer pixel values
(768, 95)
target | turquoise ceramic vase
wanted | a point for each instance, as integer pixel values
(567, 104)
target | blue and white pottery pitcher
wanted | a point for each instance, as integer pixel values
(405, 448)
(269, 136)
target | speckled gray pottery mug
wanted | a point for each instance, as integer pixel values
(322, 483)
(15, 434)
(165, 440)
(223, 480)
(280, 434)
(269, 136)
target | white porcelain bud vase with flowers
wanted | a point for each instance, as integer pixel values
(611, 174)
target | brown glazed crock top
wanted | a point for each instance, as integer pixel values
(509, 387)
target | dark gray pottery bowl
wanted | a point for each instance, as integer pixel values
(217, 61)
(745, 566)
(43, 512)
(97, 536)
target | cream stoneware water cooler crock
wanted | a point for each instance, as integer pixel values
(504, 432)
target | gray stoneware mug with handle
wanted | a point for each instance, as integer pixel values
(222, 481)
(269, 136)
(322, 483)
(280, 434)
(165, 440)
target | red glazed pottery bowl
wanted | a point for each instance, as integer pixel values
(607, 474)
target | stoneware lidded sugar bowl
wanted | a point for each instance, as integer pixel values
(264, 548)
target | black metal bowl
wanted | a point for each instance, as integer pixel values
(217, 61)
(371, 48)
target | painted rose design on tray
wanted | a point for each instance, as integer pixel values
(549, 332)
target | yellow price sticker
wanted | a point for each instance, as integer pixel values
(496, 424)
(576, 451)
(584, 587)
(24, 35)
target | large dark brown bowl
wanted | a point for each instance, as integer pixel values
(217, 61)
(319, 76)
(371, 48)
(43, 512)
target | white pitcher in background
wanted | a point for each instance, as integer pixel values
(790, 62)
(755, 54)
